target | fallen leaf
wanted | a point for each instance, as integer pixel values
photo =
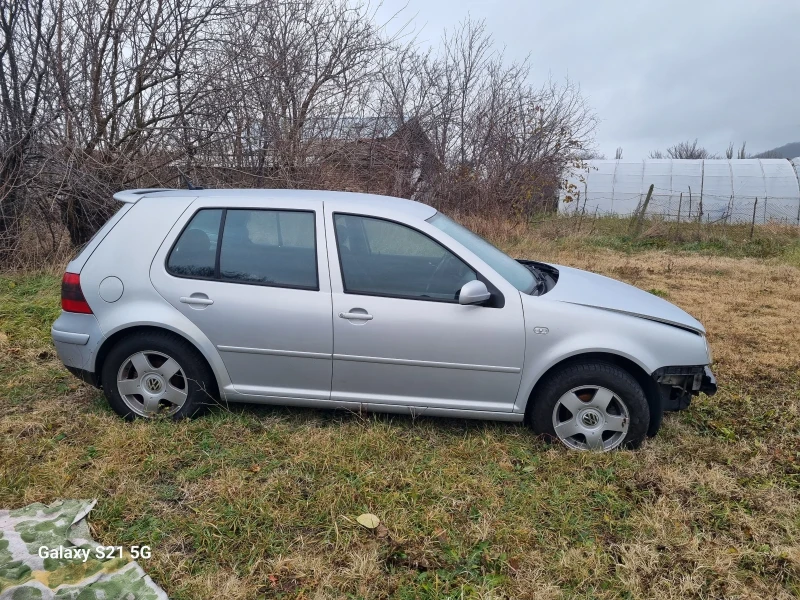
(255, 468)
(382, 531)
(368, 520)
(441, 535)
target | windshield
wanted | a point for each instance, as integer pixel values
(513, 272)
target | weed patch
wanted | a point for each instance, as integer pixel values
(253, 502)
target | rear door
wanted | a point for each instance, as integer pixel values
(254, 278)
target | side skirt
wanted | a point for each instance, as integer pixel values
(230, 395)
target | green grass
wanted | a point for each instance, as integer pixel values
(262, 502)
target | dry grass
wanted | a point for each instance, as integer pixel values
(261, 502)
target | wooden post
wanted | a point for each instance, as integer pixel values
(699, 208)
(640, 217)
(580, 217)
(680, 201)
(690, 204)
(753, 222)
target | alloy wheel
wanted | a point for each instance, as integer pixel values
(152, 383)
(591, 417)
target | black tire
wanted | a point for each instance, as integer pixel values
(200, 386)
(606, 375)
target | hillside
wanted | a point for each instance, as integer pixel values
(790, 150)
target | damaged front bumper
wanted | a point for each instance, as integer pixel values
(679, 384)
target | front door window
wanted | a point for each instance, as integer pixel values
(383, 258)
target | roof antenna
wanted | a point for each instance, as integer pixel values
(188, 182)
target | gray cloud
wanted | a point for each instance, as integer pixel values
(656, 72)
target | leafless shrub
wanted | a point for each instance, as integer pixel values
(687, 149)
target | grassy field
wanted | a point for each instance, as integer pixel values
(262, 502)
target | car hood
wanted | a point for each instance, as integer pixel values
(588, 289)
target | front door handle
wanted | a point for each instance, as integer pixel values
(357, 316)
(204, 301)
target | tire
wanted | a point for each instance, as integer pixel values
(572, 399)
(156, 373)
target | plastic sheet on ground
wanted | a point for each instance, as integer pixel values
(26, 575)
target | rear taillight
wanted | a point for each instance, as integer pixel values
(72, 298)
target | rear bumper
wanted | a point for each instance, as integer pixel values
(76, 338)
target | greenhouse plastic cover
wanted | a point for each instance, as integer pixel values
(711, 190)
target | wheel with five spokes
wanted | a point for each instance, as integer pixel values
(593, 406)
(151, 374)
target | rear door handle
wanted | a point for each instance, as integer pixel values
(196, 300)
(356, 316)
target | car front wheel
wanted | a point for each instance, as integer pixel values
(591, 406)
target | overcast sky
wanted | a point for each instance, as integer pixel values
(655, 72)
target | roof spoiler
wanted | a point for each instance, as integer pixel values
(131, 196)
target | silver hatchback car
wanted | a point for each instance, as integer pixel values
(185, 298)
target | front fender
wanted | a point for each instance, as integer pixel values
(572, 330)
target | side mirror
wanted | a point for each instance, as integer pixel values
(473, 292)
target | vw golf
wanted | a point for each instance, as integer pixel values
(185, 298)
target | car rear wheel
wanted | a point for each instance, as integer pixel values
(592, 406)
(151, 374)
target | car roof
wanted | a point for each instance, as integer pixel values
(340, 199)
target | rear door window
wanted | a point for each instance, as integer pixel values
(194, 254)
(270, 247)
(263, 247)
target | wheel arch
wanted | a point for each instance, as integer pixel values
(110, 341)
(651, 389)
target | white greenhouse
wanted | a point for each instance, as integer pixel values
(709, 190)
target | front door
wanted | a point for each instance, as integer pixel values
(400, 335)
(254, 280)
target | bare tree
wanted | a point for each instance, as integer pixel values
(100, 95)
(129, 75)
(585, 155)
(301, 71)
(742, 153)
(500, 141)
(27, 30)
(684, 150)
(739, 154)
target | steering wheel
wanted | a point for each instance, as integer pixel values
(439, 267)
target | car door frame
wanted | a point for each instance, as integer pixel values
(496, 283)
